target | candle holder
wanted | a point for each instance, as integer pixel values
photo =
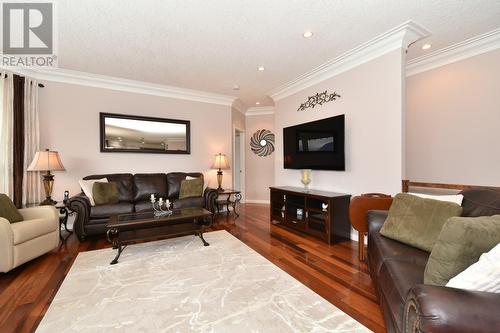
(158, 206)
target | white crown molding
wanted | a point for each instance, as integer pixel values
(240, 106)
(398, 37)
(120, 84)
(259, 111)
(468, 48)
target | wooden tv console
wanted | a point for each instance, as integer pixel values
(287, 204)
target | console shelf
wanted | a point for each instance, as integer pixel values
(305, 212)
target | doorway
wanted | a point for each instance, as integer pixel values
(239, 162)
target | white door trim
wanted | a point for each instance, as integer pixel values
(242, 160)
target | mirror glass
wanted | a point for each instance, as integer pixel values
(123, 133)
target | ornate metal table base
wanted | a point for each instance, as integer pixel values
(200, 234)
(228, 202)
(63, 221)
(121, 238)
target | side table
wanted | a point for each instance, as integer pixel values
(228, 197)
(64, 213)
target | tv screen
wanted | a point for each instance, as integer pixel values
(315, 145)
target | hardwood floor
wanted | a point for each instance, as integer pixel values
(333, 272)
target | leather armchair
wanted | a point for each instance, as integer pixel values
(449, 310)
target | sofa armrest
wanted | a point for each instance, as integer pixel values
(40, 212)
(441, 310)
(375, 220)
(80, 204)
(210, 196)
(6, 246)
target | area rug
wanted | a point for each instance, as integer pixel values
(179, 285)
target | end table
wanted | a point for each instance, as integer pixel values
(228, 197)
(64, 213)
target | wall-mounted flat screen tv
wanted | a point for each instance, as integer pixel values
(317, 145)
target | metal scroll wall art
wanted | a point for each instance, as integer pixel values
(262, 142)
(318, 99)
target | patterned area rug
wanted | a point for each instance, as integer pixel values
(178, 285)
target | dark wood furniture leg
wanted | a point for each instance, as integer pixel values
(361, 246)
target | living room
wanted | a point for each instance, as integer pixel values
(250, 166)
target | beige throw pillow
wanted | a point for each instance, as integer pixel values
(87, 186)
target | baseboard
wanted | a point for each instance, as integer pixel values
(267, 202)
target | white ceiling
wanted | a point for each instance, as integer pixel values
(213, 45)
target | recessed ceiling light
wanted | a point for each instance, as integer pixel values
(426, 46)
(236, 87)
(261, 68)
(257, 103)
(308, 34)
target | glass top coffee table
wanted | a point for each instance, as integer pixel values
(145, 226)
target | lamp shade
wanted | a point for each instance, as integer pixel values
(220, 162)
(46, 161)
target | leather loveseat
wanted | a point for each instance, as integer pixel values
(134, 196)
(397, 270)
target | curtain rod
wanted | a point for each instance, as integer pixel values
(41, 85)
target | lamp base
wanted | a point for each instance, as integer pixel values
(48, 184)
(219, 181)
(48, 202)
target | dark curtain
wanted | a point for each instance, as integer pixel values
(18, 148)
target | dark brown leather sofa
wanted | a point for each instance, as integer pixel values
(407, 304)
(134, 196)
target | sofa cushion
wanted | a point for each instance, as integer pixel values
(143, 206)
(30, 229)
(8, 210)
(481, 202)
(105, 193)
(150, 183)
(112, 209)
(417, 221)
(395, 280)
(124, 183)
(174, 182)
(189, 202)
(460, 244)
(381, 248)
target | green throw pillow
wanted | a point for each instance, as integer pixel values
(460, 244)
(8, 210)
(191, 188)
(105, 193)
(417, 221)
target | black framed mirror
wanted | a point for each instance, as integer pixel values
(137, 134)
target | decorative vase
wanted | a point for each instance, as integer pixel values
(306, 179)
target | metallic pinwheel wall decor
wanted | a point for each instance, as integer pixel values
(262, 142)
(318, 99)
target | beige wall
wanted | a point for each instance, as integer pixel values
(453, 122)
(372, 97)
(238, 119)
(69, 123)
(259, 170)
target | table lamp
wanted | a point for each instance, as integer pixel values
(220, 163)
(47, 161)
